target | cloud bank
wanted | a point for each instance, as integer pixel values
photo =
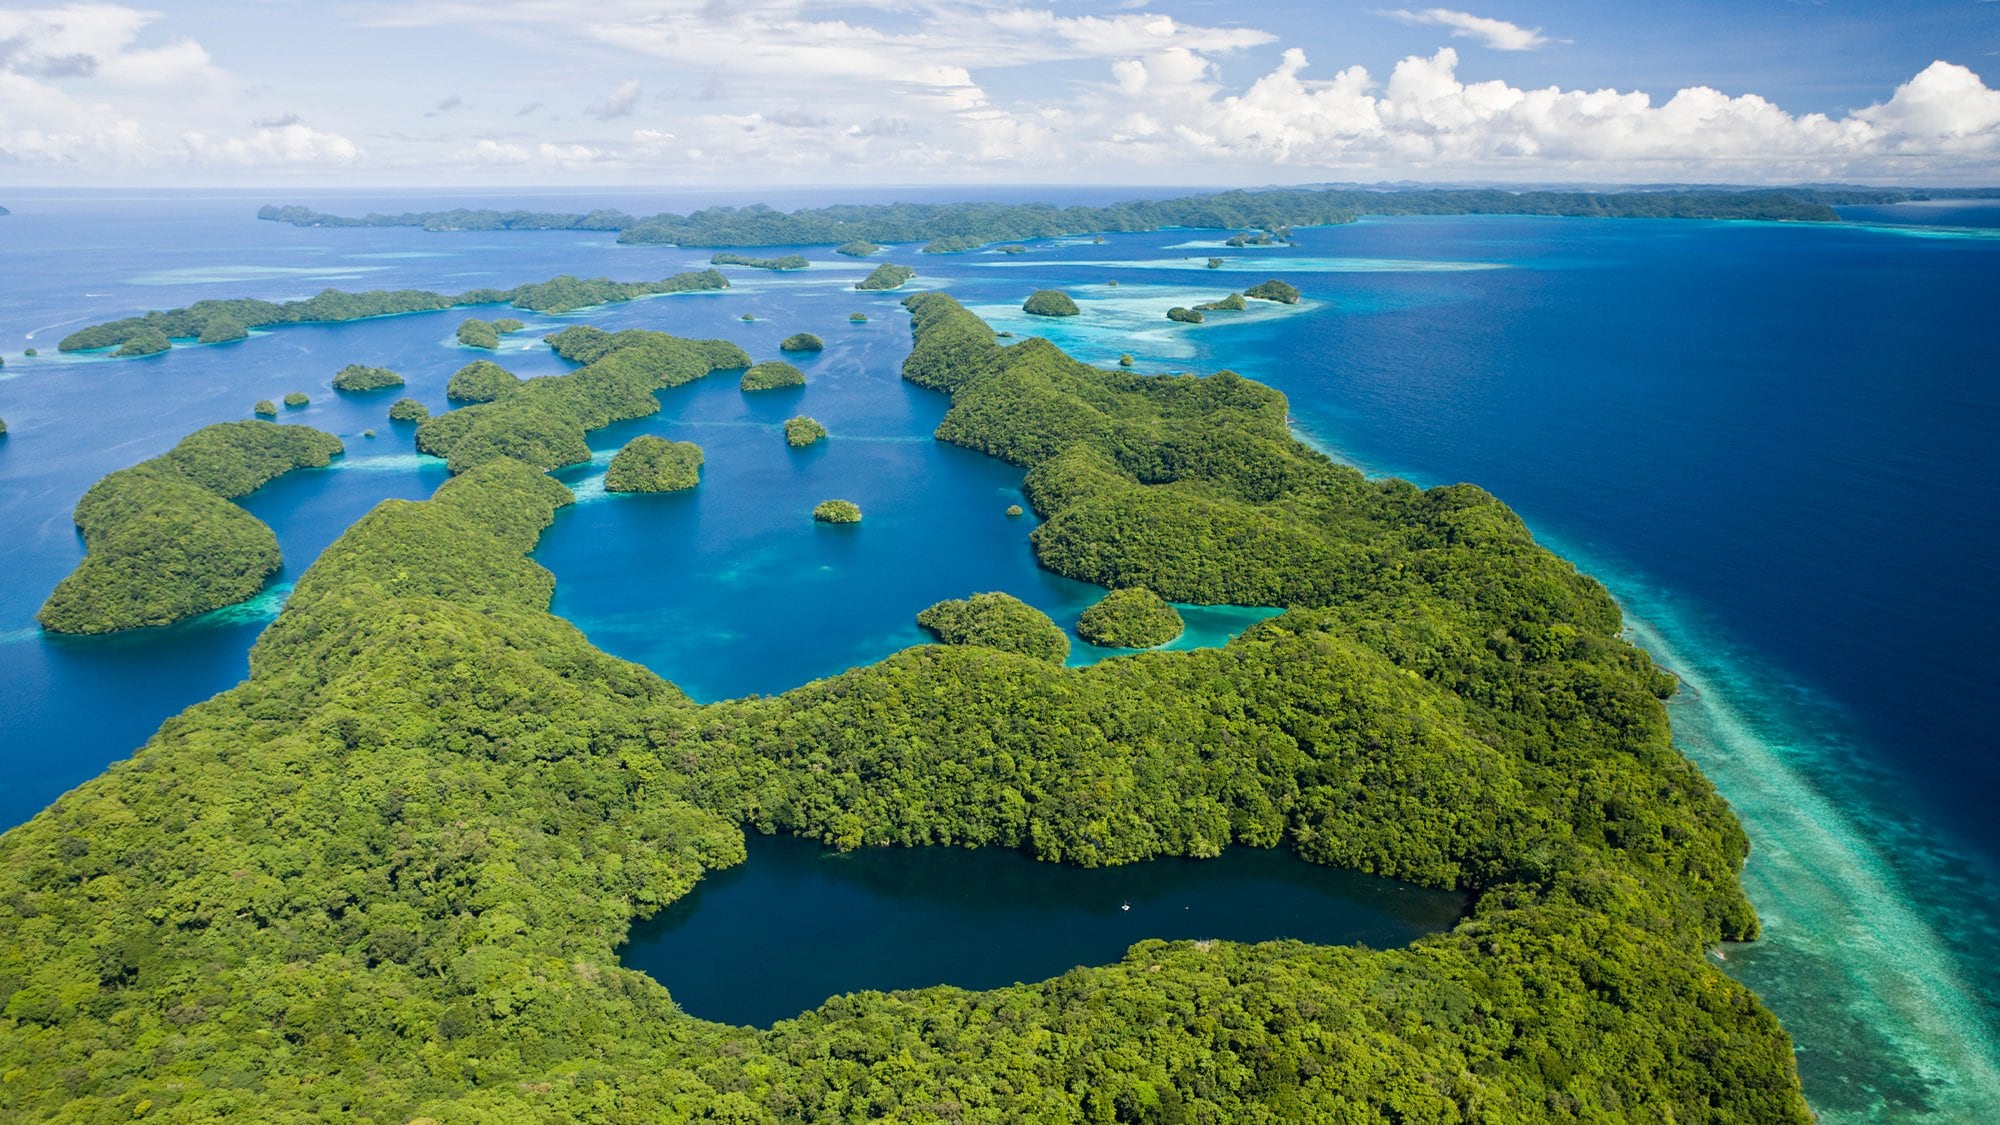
(940, 90)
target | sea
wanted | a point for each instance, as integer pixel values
(1774, 443)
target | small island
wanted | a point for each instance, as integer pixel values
(857, 318)
(1134, 617)
(803, 431)
(788, 262)
(999, 621)
(482, 380)
(358, 378)
(1015, 512)
(1233, 303)
(654, 464)
(1049, 302)
(802, 342)
(408, 410)
(953, 244)
(837, 511)
(265, 408)
(859, 248)
(145, 341)
(1274, 290)
(162, 542)
(476, 333)
(297, 400)
(888, 275)
(1184, 315)
(771, 376)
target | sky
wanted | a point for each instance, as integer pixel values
(1189, 92)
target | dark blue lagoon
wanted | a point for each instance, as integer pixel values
(1773, 442)
(798, 922)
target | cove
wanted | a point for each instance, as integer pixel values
(798, 922)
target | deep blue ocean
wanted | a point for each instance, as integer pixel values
(1773, 442)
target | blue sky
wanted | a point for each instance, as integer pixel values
(795, 92)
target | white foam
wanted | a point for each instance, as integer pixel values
(1280, 264)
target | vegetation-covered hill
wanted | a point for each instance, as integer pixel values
(949, 227)
(162, 540)
(156, 331)
(386, 876)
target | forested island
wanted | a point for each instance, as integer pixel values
(387, 875)
(997, 621)
(654, 464)
(788, 262)
(482, 380)
(802, 342)
(359, 378)
(802, 431)
(772, 375)
(1049, 302)
(156, 331)
(957, 227)
(1133, 617)
(163, 542)
(888, 275)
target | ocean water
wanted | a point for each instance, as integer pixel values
(1771, 441)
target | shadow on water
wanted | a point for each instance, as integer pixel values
(798, 922)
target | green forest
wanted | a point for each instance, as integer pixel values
(156, 331)
(386, 877)
(955, 227)
(163, 542)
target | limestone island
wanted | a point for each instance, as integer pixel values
(859, 248)
(888, 275)
(408, 410)
(788, 262)
(1274, 290)
(837, 511)
(482, 380)
(771, 376)
(999, 621)
(803, 431)
(1015, 512)
(1049, 302)
(357, 378)
(1134, 617)
(654, 464)
(297, 400)
(476, 333)
(953, 244)
(857, 318)
(1232, 303)
(162, 542)
(802, 342)
(265, 408)
(1184, 315)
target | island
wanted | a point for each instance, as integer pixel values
(3, 427)
(1049, 302)
(888, 275)
(953, 244)
(543, 421)
(482, 380)
(408, 410)
(358, 378)
(391, 871)
(802, 342)
(218, 320)
(1274, 290)
(803, 431)
(771, 376)
(857, 318)
(162, 541)
(837, 511)
(265, 408)
(788, 262)
(1134, 617)
(1234, 303)
(474, 333)
(859, 248)
(1015, 511)
(955, 227)
(654, 464)
(1184, 315)
(996, 621)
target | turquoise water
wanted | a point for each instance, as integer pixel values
(893, 918)
(1771, 441)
